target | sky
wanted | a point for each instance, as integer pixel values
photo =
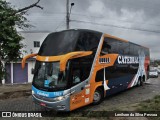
(137, 21)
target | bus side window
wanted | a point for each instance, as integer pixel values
(111, 45)
(105, 48)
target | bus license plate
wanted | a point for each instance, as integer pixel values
(42, 104)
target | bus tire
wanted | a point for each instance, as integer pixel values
(98, 96)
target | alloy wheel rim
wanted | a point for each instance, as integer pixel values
(97, 96)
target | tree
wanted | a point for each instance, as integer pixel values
(10, 40)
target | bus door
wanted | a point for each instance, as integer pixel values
(79, 89)
(113, 80)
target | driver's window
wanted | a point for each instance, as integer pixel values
(76, 76)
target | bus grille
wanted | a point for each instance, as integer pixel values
(44, 98)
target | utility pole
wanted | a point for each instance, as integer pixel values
(68, 13)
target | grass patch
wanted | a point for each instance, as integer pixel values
(150, 105)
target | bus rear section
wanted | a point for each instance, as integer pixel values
(77, 67)
(124, 65)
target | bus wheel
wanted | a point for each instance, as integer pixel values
(98, 96)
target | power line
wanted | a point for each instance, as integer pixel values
(128, 21)
(95, 17)
(60, 24)
(123, 27)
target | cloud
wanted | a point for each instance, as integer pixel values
(137, 14)
(96, 7)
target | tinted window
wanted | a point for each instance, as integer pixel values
(111, 45)
(135, 49)
(116, 46)
(88, 41)
(80, 69)
(76, 76)
(132, 48)
(123, 47)
(59, 43)
(106, 48)
(116, 71)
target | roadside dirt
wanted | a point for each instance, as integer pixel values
(15, 94)
(14, 91)
(14, 87)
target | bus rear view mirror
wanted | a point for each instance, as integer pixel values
(25, 58)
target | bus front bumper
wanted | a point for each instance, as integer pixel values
(51, 103)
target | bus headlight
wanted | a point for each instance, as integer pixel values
(59, 98)
(32, 92)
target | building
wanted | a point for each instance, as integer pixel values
(15, 74)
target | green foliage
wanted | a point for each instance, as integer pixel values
(9, 38)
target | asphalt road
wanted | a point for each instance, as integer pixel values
(131, 96)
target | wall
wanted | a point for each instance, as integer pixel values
(29, 39)
(31, 65)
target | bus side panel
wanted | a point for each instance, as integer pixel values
(77, 100)
(119, 75)
(119, 84)
(81, 95)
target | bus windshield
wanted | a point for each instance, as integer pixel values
(48, 76)
(60, 43)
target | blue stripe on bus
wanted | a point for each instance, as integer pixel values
(119, 84)
(47, 94)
